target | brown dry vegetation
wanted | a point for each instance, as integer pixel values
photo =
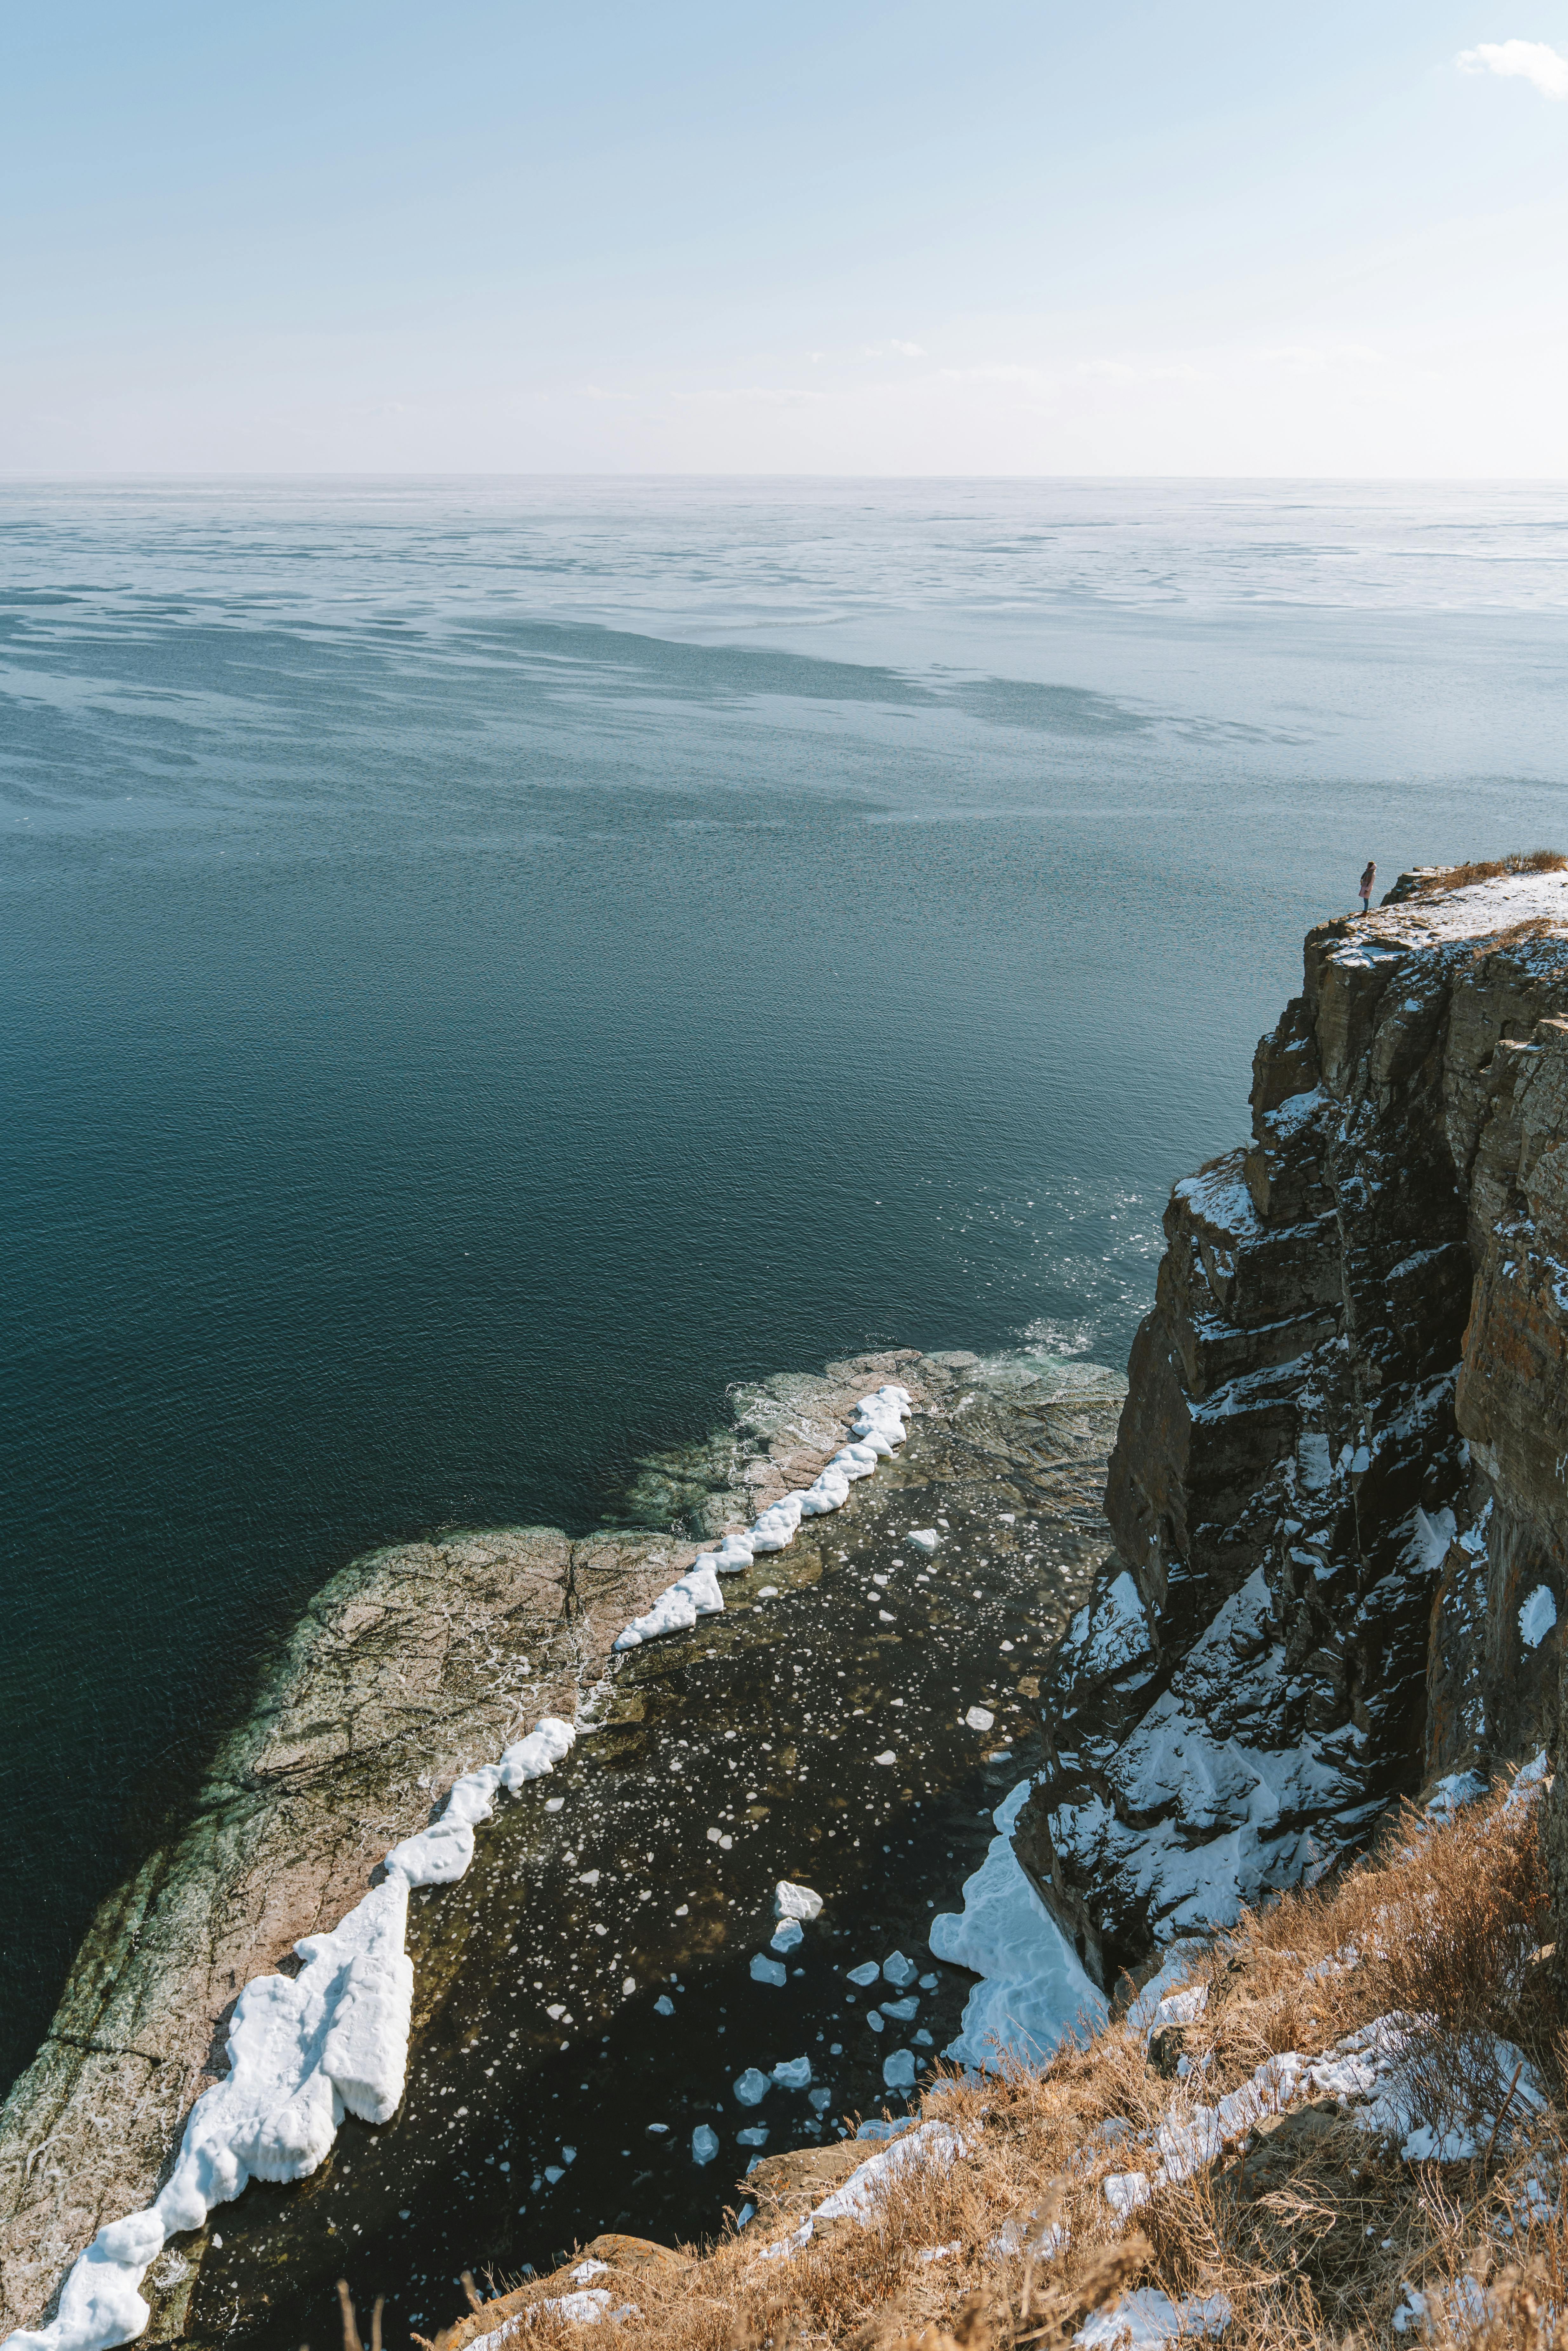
(1491, 869)
(1311, 2230)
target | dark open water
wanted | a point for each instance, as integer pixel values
(488, 964)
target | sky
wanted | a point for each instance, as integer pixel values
(986, 239)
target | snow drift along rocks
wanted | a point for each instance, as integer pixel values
(878, 1423)
(303, 2052)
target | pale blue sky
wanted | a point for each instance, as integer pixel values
(992, 238)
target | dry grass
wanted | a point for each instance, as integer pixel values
(1491, 869)
(1312, 2233)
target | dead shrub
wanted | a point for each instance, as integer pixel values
(1491, 869)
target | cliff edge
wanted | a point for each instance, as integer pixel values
(1340, 1489)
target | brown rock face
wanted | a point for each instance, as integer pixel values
(1340, 1488)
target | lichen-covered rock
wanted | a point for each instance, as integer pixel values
(1340, 1489)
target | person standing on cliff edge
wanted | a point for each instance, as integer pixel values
(1365, 884)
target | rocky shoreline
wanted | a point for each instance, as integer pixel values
(410, 1666)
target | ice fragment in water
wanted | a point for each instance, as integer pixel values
(899, 1970)
(1537, 1617)
(898, 2070)
(752, 2086)
(793, 2074)
(766, 1971)
(866, 1973)
(979, 1717)
(923, 1539)
(787, 1934)
(790, 1901)
(704, 2144)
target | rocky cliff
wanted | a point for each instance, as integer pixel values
(1340, 1488)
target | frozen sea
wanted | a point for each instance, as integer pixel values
(489, 963)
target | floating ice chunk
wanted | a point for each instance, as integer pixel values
(754, 2135)
(979, 1717)
(898, 1970)
(704, 2144)
(794, 2073)
(866, 1973)
(829, 1492)
(779, 1524)
(791, 1901)
(752, 2086)
(734, 1554)
(787, 1934)
(923, 1539)
(766, 1971)
(1537, 1617)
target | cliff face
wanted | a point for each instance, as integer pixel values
(1340, 1488)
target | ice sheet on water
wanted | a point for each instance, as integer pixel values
(1033, 1994)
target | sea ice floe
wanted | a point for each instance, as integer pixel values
(766, 1971)
(791, 1901)
(303, 2052)
(752, 2086)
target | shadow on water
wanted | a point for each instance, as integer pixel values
(585, 1998)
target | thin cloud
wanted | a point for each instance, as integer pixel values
(1532, 61)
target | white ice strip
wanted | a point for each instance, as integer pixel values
(879, 1422)
(303, 2051)
(1034, 1995)
(676, 1609)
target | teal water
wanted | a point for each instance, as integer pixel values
(488, 964)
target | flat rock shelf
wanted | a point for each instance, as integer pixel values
(584, 1998)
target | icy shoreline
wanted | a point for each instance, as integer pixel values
(306, 2051)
